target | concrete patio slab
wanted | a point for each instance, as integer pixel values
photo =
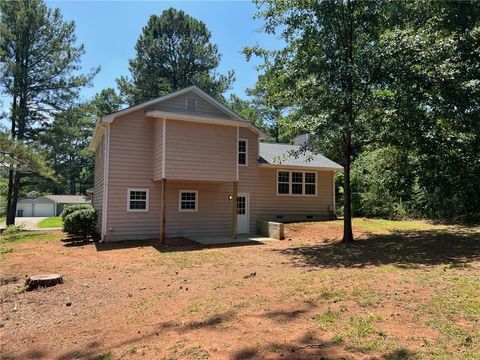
(219, 240)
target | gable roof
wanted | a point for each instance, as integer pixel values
(275, 154)
(107, 119)
(68, 199)
(59, 199)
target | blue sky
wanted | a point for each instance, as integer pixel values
(110, 29)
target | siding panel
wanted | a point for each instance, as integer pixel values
(200, 151)
(178, 105)
(97, 200)
(132, 166)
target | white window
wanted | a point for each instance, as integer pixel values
(283, 182)
(137, 200)
(188, 201)
(191, 104)
(297, 183)
(242, 152)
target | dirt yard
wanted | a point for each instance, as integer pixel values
(405, 290)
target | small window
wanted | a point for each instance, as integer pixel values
(188, 201)
(242, 152)
(137, 200)
(283, 182)
(241, 205)
(191, 104)
(310, 184)
(297, 183)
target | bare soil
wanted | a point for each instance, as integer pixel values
(392, 295)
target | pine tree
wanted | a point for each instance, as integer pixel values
(38, 56)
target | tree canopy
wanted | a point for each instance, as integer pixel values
(174, 51)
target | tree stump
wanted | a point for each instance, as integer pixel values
(44, 280)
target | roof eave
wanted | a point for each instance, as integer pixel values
(299, 167)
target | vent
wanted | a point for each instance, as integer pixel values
(191, 104)
(279, 216)
(309, 217)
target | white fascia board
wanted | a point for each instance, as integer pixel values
(300, 167)
(202, 119)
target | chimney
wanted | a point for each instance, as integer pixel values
(300, 139)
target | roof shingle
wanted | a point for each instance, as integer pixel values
(293, 155)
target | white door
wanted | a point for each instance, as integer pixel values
(43, 210)
(243, 213)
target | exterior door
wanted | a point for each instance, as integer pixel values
(243, 213)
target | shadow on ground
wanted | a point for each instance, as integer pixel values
(402, 248)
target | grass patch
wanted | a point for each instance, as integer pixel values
(51, 222)
(327, 319)
(6, 241)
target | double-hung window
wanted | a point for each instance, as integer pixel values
(283, 183)
(298, 183)
(137, 200)
(188, 201)
(242, 152)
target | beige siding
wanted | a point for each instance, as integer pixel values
(248, 175)
(97, 200)
(200, 151)
(131, 166)
(157, 147)
(200, 157)
(214, 215)
(178, 105)
(267, 202)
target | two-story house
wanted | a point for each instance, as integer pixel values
(185, 165)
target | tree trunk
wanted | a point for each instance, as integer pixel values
(347, 146)
(347, 207)
(12, 209)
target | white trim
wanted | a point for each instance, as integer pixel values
(164, 145)
(333, 183)
(246, 150)
(106, 164)
(299, 167)
(247, 210)
(111, 117)
(147, 200)
(238, 132)
(303, 182)
(180, 200)
(203, 120)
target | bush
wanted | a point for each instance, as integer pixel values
(12, 229)
(81, 223)
(68, 209)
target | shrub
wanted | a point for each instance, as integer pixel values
(12, 229)
(81, 223)
(68, 209)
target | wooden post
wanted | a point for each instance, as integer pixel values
(164, 191)
(234, 209)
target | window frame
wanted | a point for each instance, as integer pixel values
(180, 192)
(290, 182)
(147, 199)
(246, 152)
(195, 103)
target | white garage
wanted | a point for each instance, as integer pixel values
(48, 205)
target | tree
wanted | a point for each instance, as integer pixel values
(38, 57)
(66, 140)
(174, 51)
(326, 74)
(105, 102)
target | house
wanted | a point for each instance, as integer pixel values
(48, 205)
(184, 165)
